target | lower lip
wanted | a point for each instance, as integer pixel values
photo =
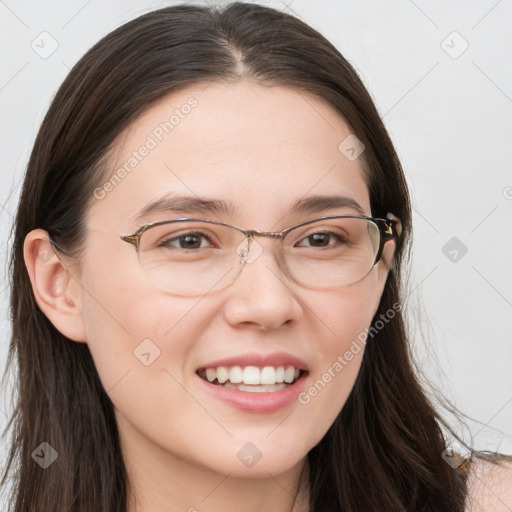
(255, 402)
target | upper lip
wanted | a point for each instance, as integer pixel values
(260, 360)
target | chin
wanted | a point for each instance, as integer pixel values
(259, 458)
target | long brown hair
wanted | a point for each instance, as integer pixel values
(384, 450)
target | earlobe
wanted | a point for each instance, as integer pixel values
(56, 292)
(386, 262)
(384, 266)
(388, 256)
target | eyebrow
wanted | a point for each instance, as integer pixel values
(194, 204)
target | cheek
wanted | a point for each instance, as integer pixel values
(129, 324)
(347, 313)
(345, 318)
(140, 341)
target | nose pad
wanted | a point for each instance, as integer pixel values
(249, 250)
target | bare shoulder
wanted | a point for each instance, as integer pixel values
(490, 486)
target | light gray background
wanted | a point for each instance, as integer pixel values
(449, 115)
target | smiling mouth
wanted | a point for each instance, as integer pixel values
(252, 378)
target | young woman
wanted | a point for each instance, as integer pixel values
(206, 286)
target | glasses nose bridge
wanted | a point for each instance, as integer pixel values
(250, 235)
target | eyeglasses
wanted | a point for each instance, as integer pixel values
(189, 257)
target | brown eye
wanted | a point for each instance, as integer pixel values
(322, 239)
(192, 240)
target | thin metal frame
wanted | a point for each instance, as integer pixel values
(388, 229)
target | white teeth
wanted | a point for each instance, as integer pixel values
(222, 374)
(211, 374)
(236, 375)
(252, 375)
(268, 375)
(289, 374)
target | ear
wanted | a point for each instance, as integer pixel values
(383, 267)
(388, 252)
(386, 260)
(56, 291)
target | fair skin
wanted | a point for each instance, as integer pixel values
(262, 148)
(490, 487)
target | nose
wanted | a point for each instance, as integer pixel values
(262, 296)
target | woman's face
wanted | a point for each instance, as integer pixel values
(262, 149)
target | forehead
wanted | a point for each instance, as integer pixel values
(256, 147)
